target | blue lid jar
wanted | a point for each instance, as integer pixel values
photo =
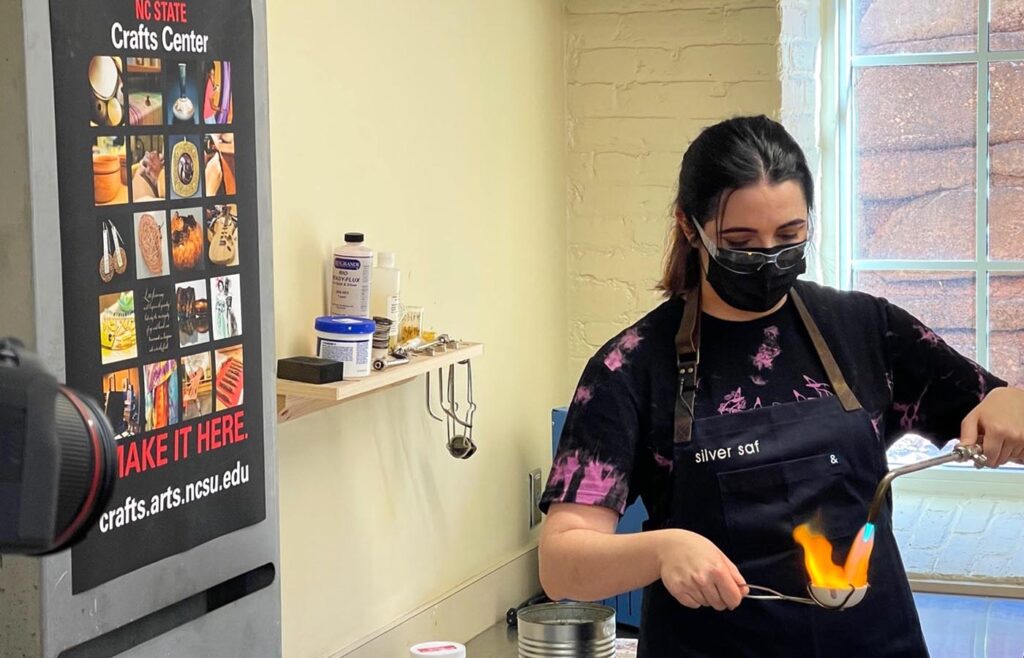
(345, 324)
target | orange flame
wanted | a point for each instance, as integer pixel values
(818, 558)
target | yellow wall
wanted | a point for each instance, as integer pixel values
(438, 130)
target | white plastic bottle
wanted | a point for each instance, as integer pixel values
(351, 275)
(385, 297)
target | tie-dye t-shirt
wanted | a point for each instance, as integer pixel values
(617, 440)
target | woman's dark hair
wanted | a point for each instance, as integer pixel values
(725, 157)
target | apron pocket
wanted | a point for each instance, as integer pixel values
(762, 505)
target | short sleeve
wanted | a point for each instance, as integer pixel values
(933, 386)
(595, 455)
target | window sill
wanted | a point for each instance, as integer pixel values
(1001, 482)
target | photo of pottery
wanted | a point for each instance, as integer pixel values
(193, 308)
(227, 306)
(219, 168)
(181, 92)
(148, 181)
(217, 99)
(186, 167)
(196, 385)
(106, 87)
(109, 171)
(222, 234)
(118, 341)
(187, 239)
(230, 381)
(151, 244)
(122, 402)
(114, 258)
(145, 82)
(161, 382)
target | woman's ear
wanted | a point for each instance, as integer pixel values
(686, 227)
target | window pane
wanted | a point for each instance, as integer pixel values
(1006, 327)
(1007, 25)
(912, 26)
(1006, 151)
(944, 301)
(915, 148)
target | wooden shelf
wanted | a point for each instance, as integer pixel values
(297, 399)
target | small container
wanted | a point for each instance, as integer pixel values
(381, 337)
(444, 649)
(347, 339)
(411, 325)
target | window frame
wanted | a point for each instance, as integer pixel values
(839, 171)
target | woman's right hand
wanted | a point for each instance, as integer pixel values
(697, 573)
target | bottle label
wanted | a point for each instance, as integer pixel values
(350, 286)
(352, 264)
(394, 313)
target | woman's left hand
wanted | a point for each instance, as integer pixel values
(998, 422)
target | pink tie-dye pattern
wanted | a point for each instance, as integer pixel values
(982, 384)
(769, 349)
(927, 335)
(733, 403)
(584, 394)
(758, 380)
(910, 415)
(821, 388)
(598, 481)
(563, 470)
(629, 340)
(614, 360)
(876, 424)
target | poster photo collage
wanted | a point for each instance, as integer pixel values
(166, 239)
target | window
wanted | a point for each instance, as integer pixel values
(931, 170)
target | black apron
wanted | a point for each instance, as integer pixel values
(745, 481)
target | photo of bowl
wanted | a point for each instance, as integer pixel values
(107, 86)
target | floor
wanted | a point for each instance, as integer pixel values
(954, 626)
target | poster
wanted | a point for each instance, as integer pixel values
(158, 242)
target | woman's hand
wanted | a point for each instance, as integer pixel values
(697, 573)
(998, 422)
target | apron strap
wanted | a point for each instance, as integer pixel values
(842, 390)
(688, 350)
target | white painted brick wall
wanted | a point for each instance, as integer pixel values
(962, 537)
(644, 76)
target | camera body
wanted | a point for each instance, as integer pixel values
(57, 457)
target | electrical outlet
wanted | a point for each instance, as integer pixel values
(535, 488)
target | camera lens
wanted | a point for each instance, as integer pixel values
(88, 463)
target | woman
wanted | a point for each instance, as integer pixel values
(745, 405)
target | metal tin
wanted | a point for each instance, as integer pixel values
(566, 630)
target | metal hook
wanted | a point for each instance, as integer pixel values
(430, 409)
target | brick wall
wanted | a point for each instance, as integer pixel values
(644, 76)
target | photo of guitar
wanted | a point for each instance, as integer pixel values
(222, 234)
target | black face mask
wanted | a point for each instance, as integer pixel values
(755, 291)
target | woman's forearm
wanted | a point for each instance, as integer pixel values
(589, 565)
